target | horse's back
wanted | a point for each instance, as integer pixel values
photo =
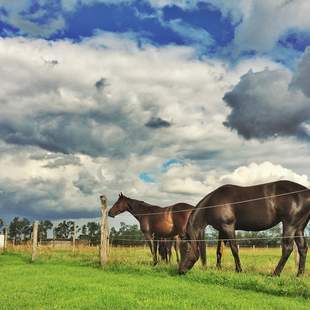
(255, 207)
(234, 193)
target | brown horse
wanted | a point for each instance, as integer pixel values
(252, 208)
(156, 222)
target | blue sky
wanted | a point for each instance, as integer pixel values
(202, 24)
(161, 100)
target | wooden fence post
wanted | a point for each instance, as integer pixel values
(104, 241)
(34, 241)
(74, 237)
(5, 242)
(54, 237)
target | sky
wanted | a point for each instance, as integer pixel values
(161, 100)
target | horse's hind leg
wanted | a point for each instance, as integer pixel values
(176, 245)
(219, 251)
(301, 243)
(230, 233)
(287, 247)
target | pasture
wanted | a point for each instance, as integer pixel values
(60, 279)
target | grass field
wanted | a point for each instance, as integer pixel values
(61, 280)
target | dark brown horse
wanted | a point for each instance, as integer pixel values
(252, 208)
(156, 222)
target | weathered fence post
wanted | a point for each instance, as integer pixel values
(54, 236)
(34, 241)
(74, 237)
(5, 241)
(104, 241)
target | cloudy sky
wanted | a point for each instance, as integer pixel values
(163, 100)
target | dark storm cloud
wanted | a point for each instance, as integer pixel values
(264, 105)
(56, 133)
(201, 154)
(39, 199)
(101, 84)
(157, 122)
(93, 132)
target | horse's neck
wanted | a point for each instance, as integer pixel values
(139, 208)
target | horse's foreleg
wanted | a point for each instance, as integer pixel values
(287, 247)
(150, 242)
(155, 247)
(169, 253)
(202, 248)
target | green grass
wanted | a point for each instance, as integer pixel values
(61, 280)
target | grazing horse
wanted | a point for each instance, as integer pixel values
(156, 222)
(252, 208)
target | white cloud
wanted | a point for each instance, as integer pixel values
(50, 107)
(190, 180)
(262, 173)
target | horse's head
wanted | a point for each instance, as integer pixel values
(120, 206)
(189, 252)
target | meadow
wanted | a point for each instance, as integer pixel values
(60, 279)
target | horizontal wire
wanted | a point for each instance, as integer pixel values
(227, 203)
(214, 240)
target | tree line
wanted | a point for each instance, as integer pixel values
(20, 230)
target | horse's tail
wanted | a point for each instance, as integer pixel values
(202, 248)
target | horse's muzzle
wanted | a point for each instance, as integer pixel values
(110, 214)
(182, 272)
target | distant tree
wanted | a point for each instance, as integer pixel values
(63, 230)
(43, 228)
(1, 222)
(93, 232)
(126, 235)
(20, 229)
(83, 235)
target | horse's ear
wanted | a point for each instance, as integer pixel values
(121, 194)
